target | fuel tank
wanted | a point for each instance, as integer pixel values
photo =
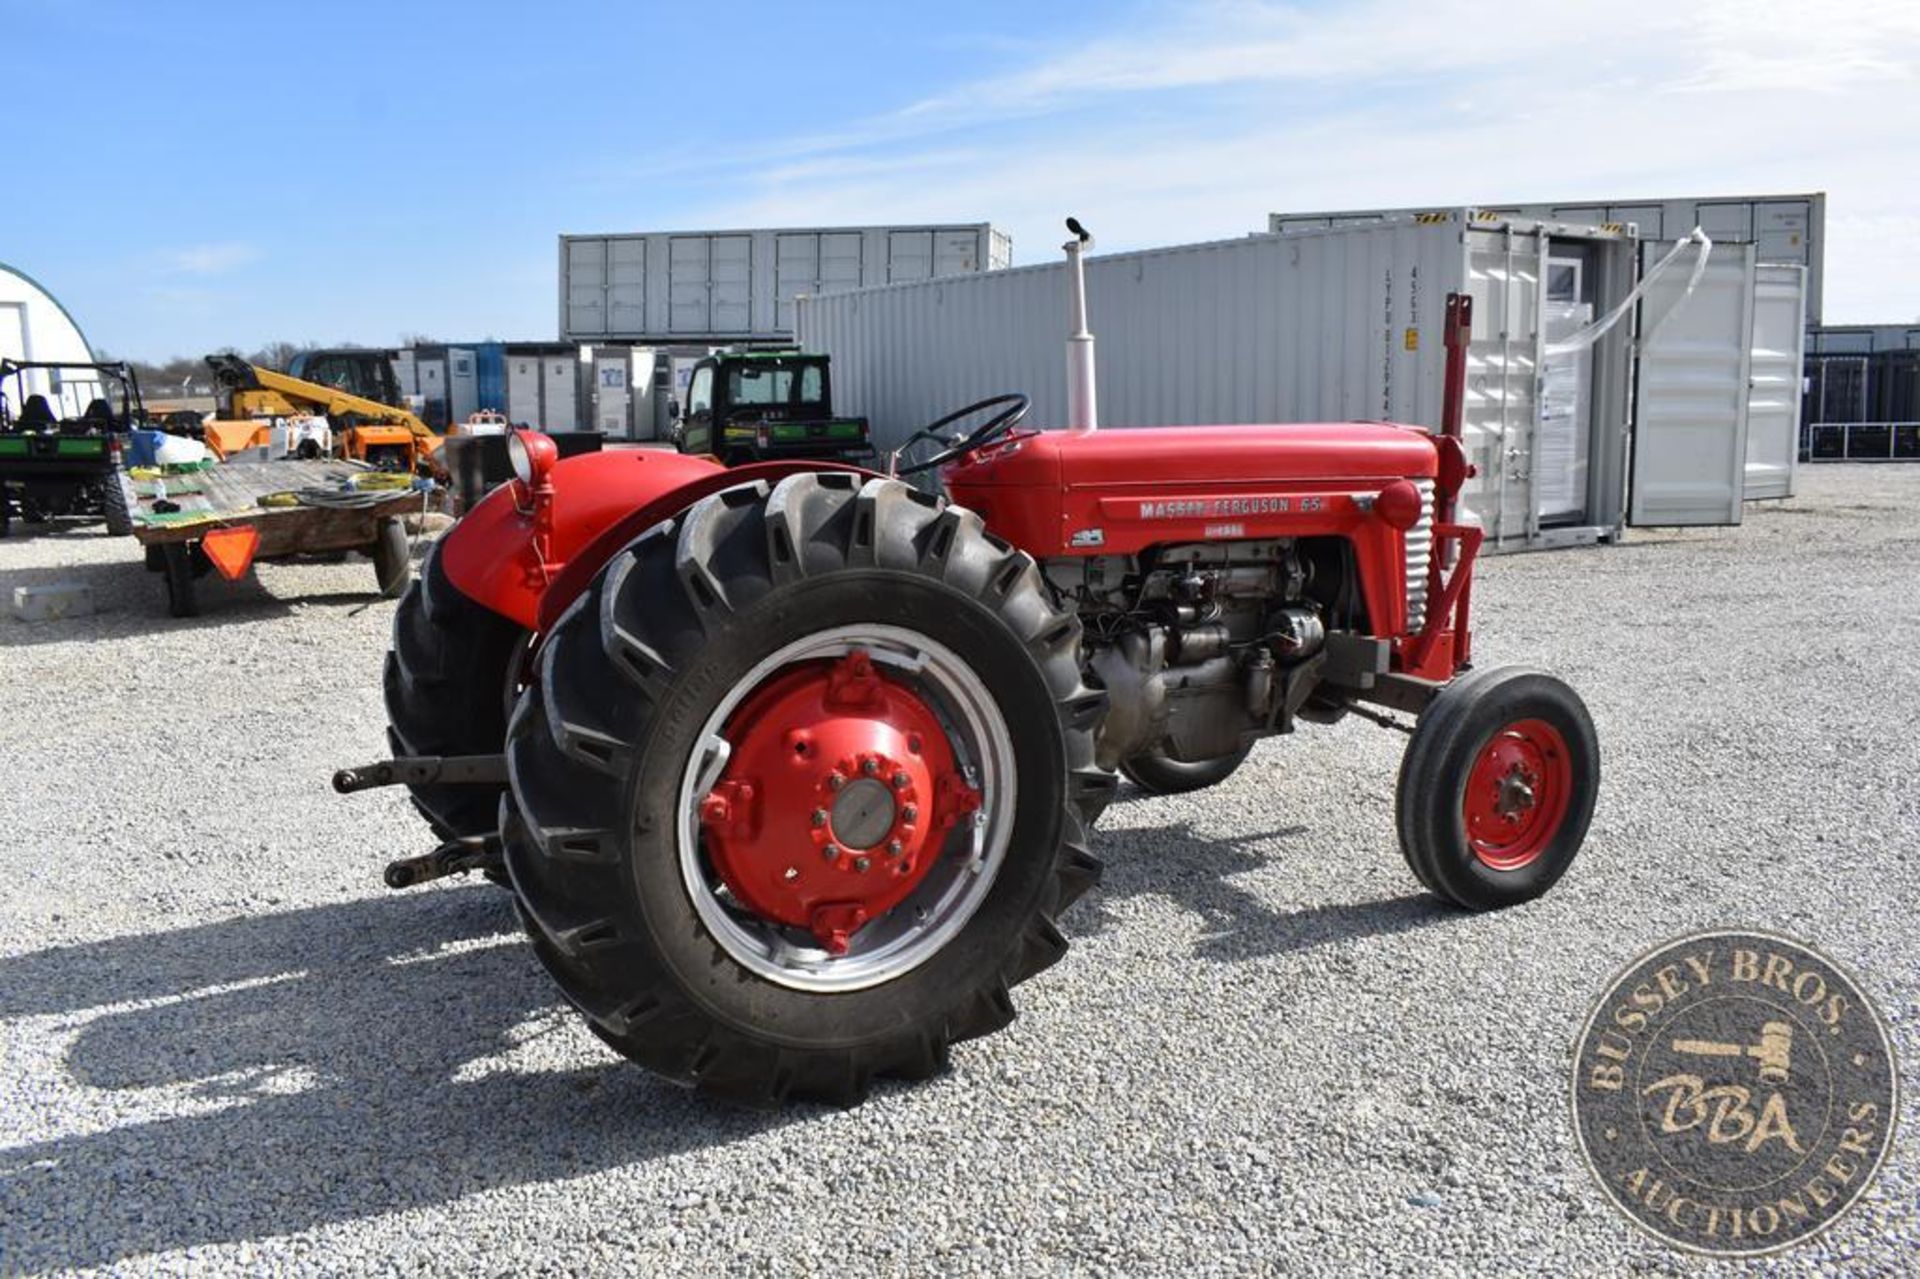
(1119, 491)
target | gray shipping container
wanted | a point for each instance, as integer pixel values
(732, 286)
(1789, 228)
(1347, 323)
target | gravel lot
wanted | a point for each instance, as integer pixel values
(223, 1044)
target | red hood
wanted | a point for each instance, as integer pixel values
(1185, 455)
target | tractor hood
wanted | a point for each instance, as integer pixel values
(1188, 455)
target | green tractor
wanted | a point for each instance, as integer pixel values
(761, 406)
(61, 436)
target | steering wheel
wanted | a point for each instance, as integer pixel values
(958, 445)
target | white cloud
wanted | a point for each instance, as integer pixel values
(210, 259)
(1197, 126)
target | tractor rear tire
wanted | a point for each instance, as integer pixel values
(615, 878)
(450, 679)
(113, 504)
(1157, 773)
(1497, 787)
(392, 558)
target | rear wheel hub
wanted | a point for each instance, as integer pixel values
(838, 795)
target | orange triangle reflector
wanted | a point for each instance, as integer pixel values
(231, 549)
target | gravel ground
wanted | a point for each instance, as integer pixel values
(222, 1044)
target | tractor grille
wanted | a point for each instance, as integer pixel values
(1419, 551)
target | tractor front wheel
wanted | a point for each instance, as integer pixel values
(451, 679)
(1497, 787)
(801, 787)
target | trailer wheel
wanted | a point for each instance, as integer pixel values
(1159, 773)
(176, 563)
(113, 504)
(804, 780)
(450, 680)
(392, 558)
(1497, 787)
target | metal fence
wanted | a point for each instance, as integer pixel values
(1860, 442)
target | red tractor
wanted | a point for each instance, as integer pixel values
(792, 767)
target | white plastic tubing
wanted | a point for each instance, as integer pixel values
(1584, 338)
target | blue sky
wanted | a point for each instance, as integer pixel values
(212, 174)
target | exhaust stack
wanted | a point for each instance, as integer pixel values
(1083, 409)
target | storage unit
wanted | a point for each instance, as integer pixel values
(739, 286)
(542, 385)
(1346, 323)
(1788, 228)
(34, 326)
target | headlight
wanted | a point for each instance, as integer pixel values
(532, 456)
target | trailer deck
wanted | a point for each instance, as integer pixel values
(226, 517)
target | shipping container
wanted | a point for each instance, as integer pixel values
(1789, 229)
(1346, 323)
(738, 286)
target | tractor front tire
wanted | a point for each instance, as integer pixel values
(450, 679)
(1158, 773)
(1497, 787)
(650, 683)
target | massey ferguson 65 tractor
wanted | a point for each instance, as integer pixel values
(792, 767)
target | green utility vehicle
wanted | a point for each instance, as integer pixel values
(57, 457)
(756, 406)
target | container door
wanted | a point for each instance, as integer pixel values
(796, 270)
(586, 288)
(463, 384)
(560, 392)
(1690, 418)
(610, 394)
(839, 262)
(688, 284)
(626, 286)
(523, 391)
(1780, 230)
(909, 255)
(956, 252)
(432, 371)
(1773, 379)
(732, 288)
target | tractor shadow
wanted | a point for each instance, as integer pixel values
(331, 1063)
(1195, 872)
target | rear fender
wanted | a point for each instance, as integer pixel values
(527, 559)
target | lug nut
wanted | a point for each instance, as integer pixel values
(893, 848)
(819, 817)
(829, 852)
(835, 781)
(860, 864)
(910, 814)
(870, 766)
(901, 781)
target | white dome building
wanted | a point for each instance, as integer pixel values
(33, 326)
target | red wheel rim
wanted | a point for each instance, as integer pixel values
(1518, 793)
